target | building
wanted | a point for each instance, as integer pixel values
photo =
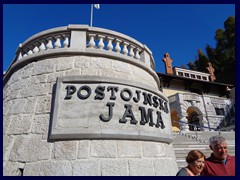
(196, 101)
(80, 100)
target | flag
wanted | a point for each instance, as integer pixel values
(97, 6)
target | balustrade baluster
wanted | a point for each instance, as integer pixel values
(19, 56)
(91, 43)
(42, 47)
(125, 50)
(101, 44)
(131, 53)
(117, 47)
(49, 44)
(57, 44)
(137, 56)
(30, 52)
(35, 49)
(66, 42)
(109, 45)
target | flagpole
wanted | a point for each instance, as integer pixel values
(91, 15)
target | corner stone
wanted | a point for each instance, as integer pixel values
(30, 148)
(48, 168)
(141, 167)
(114, 167)
(86, 168)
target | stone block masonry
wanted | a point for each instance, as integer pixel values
(104, 157)
(30, 101)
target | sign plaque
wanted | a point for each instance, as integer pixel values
(93, 107)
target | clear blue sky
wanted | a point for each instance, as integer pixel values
(179, 29)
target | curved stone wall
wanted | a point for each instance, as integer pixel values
(44, 118)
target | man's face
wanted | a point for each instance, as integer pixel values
(220, 151)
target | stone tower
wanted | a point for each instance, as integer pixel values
(82, 100)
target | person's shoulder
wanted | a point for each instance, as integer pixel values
(182, 172)
(209, 159)
(231, 157)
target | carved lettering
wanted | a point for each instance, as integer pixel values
(110, 112)
(113, 89)
(99, 93)
(86, 89)
(160, 104)
(146, 117)
(137, 99)
(70, 91)
(155, 101)
(126, 91)
(147, 98)
(166, 107)
(159, 121)
(128, 113)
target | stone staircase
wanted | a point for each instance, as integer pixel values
(185, 142)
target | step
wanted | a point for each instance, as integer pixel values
(186, 148)
(230, 146)
(207, 154)
(205, 151)
(179, 152)
(191, 145)
(184, 151)
(184, 142)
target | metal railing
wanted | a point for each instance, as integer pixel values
(196, 127)
(228, 120)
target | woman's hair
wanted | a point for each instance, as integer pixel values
(193, 155)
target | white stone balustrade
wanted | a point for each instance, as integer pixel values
(115, 44)
(84, 39)
(42, 43)
(42, 46)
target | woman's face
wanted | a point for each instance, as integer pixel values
(198, 165)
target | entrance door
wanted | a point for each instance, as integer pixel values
(193, 119)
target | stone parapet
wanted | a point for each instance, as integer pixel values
(82, 40)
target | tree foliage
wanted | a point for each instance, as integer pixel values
(222, 56)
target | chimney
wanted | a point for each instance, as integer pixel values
(168, 64)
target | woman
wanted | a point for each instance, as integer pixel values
(196, 162)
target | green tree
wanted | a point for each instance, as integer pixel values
(200, 63)
(222, 56)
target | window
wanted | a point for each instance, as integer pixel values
(186, 75)
(204, 78)
(180, 73)
(193, 76)
(194, 90)
(194, 120)
(199, 77)
(219, 111)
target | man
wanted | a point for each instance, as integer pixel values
(219, 163)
